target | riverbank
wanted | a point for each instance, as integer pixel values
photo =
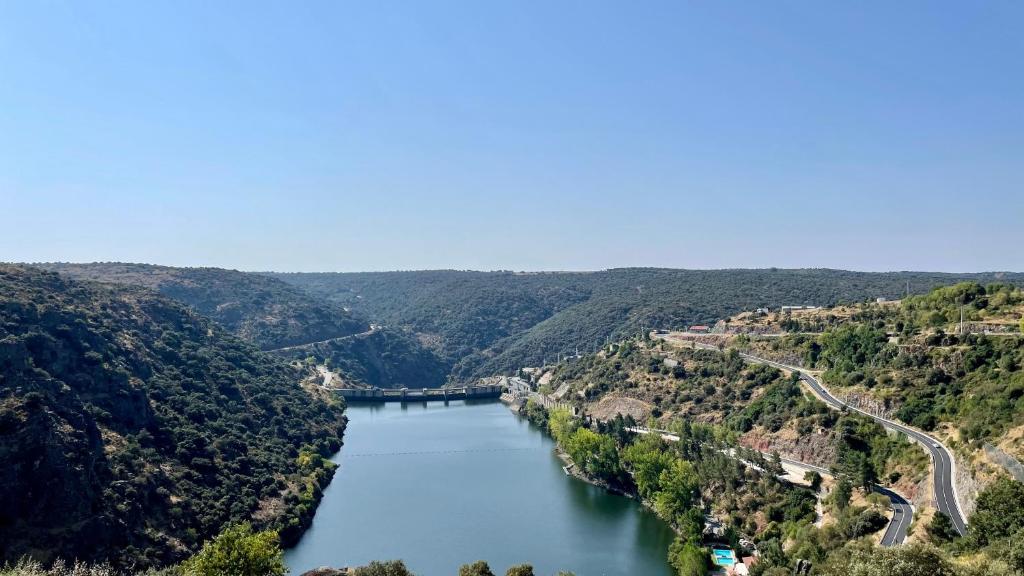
(438, 485)
(572, 469)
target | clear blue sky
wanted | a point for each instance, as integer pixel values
(517, 135)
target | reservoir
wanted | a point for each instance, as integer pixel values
(440, 485)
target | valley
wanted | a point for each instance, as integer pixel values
(782, 435)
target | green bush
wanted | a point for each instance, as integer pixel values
(238, 551)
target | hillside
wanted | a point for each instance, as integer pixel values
(132, 429)
(384, 357)
(715, 406)
(909, 361)
(656, 381)
(484, 323)
(259, 309)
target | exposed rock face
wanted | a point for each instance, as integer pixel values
(54, 468)
(816, 449)
(611, 405)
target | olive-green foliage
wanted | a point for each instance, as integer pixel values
(263, 310)
(998, 511)
(497, 322)
(677, 490)
(971, 380)
(478, 568)
(941, 529)
(149, 427)
(388, 568)
(1015, 557)
(842, 493)
(386, 358)
(536, 414)
(907, 560)
(561, 424)
(520, 570)
(238, 551)
(850, 346)
(688, 559)
(594, 453)
(646, 459)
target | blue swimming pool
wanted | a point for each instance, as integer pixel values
(724, 558)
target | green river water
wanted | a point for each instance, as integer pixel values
(439, 485)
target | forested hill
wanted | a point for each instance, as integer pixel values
(132, 429)
(262, 310)
(483, 323)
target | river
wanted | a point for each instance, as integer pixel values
(439, 485)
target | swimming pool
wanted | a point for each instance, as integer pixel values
(724, 558)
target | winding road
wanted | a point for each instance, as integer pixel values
(944, 488)
(334, 339)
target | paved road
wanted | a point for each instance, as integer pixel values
(335, 339)
(943, 487)
(902, 516)
(902, 511)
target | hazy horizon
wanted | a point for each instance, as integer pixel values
(519, 136)
(514, 271)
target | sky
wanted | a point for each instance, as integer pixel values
(522, 135)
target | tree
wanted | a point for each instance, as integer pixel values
(941, 528)
(562, 424)
(1016, 554)
(999, 511)
(687, 558)
(238, 551)
(646, 460)
(814, 478)
(773, 464)
(679, 486)
(772, 555)
(520, 570)
(594, 453)
(478, 568)
(842, 493)
(390, 568)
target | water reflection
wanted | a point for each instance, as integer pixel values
(441, 485)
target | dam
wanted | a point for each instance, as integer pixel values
(420, 394)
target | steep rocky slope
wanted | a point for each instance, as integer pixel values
(260, 309)
(131, 429)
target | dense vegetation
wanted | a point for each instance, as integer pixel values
(702, 473)
(914, 360)
(485, 323)
(386, 358)
(260, 309)
(132, 429)
(754, 401)
(676, 478)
